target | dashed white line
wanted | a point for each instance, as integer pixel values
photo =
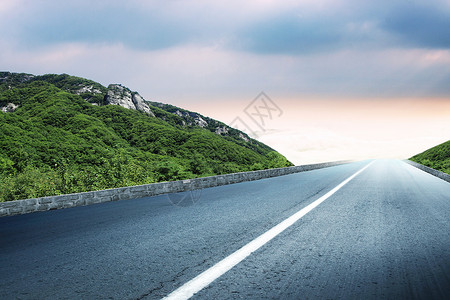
(198, 283)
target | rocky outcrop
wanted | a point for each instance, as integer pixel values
(242, 136)
(16, 77)
(120, 95)
(200, 122)
(221, 130)
(191, 118)
(140, 104)
(10, 107)
(87, 89)
(225, 130)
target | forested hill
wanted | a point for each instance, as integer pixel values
(63, 134)
(437, 157)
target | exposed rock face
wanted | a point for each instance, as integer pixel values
(242, 136)
(10, 107)
(19, 77)
(120, 95)
(140, 104)
(87, 89)
(224, 130)
(4, 76)
(191, 116)
(221, 130)
(200, 122)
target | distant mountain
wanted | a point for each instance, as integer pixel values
(437, 157)
(62, 134)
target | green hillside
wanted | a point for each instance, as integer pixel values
(437, 157)
(54, 140)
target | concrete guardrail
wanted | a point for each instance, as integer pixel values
(439, 174)
(10, 208)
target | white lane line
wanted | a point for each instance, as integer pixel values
(193, 286)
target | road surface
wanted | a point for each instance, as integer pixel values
(385, 234)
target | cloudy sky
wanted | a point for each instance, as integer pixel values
(343, 79)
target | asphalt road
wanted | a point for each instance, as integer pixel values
(383, 235)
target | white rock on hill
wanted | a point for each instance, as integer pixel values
(120, 95)
(10, 107)
(87, 89)
(140, 104)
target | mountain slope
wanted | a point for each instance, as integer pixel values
(63, 134)
(437, 157)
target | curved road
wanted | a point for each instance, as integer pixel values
(384, 234)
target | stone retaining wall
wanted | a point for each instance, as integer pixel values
(442, 175)
(71, 200)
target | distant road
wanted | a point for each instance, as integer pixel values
(385, 234)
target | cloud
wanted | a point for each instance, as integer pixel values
(261, 27)
(349, 24)
(8, 5)
(96, 22)
(201, 72)
(420, 25)
(168, 49)
(290, 34)
(146, 25)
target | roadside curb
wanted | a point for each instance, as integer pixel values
(18, 207)
(439, 174)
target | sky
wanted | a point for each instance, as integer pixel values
(317, 80)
